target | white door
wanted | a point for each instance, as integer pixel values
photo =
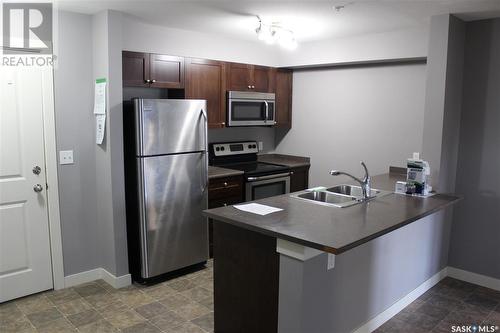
(25, 260)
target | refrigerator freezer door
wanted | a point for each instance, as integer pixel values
(174, 234)
(169, 126)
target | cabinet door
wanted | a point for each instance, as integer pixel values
(135, 69)
(239, 77)
(205, 79)
(166, 71)
(284, 98)
(299, 179)
(223, 192)
(262, 79)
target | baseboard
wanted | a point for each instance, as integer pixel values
(116, 282)
(481, 280)
(384, 316)
(96, 274)
(83, 277)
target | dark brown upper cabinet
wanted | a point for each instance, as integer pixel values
(152, 70)
(238, 76)
(244, 77)
(135, 69)
(284, 81)
(205, 79)
(166, 71)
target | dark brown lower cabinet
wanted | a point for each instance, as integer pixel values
(299, 180)
(246, 281)
(223, 192)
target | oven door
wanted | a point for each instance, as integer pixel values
(267, 186)
(250, 112)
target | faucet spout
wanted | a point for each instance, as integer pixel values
(365, 182)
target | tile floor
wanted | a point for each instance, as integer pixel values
(185, 305)
(450, 302)
(181, 305)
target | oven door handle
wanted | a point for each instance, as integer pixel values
(278, 175)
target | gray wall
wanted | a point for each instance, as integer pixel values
(443, 100)
(476, 227)
(74, 130)
(365, 280)
(344, 115)
(91, 196)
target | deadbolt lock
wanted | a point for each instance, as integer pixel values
(37, 170)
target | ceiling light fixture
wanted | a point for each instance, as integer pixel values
(275, 33)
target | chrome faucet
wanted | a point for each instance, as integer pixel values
(365, 182)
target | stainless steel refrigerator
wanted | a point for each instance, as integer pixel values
(166, 168)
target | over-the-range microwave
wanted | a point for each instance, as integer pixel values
(246, 108)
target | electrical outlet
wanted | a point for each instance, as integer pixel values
(66, 157)
(331, 261)
(261, 145)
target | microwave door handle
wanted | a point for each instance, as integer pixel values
(267, 111)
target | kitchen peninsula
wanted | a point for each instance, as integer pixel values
(305, 267)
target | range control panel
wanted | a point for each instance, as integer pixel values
(235, 148)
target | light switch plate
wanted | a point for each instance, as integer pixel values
(66, 157)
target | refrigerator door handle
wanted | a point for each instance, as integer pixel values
(205, 161)
(205, 134)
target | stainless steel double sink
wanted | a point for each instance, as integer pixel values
(338, 196)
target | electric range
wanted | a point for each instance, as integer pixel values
(262, 180)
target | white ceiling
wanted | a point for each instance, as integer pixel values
(310, 20)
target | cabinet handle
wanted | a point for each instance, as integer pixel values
(253, 87)
(291, 173)
(148, 81)
(225, 184)
(225, 204)
(223, 123)
(249, 87)
(153, 81)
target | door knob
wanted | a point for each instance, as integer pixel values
(37, 188)
(37, 170)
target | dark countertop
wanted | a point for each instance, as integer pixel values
(218, 172)
(288, 160)
(333, 229)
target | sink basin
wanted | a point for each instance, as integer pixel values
(351, 190)
(328, 198)
(339, 196)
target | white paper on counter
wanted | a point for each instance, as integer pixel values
(100, 127)
(257, 208)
